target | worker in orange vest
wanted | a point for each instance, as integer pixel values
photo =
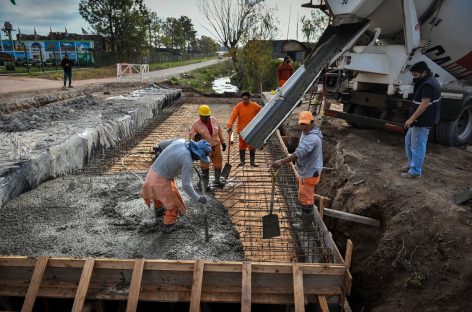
(284, 71)
(244, 111)
(206, 127)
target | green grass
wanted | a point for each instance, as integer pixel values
(91, 73)
(201, 79)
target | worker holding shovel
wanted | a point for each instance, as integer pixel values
(308, 158)
(176, 159)
(207, 128)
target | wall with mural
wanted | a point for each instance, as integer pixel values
(47, 51)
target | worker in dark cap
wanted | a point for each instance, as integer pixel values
(159, 187)
(424, 114)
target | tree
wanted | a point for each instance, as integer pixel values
(230, 20)
(124, 22)
(313, 26)
(207, 45)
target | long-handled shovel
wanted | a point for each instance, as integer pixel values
(205, 213)
(270, 222)
(227, 167)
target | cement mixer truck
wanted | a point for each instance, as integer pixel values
(372, 78)
(363, 60)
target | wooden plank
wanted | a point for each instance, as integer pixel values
(322, 207)
(83, 285)
(197, 286)
(246, 287)
(298, 293)
(351, 217)
(34, 284)
(348, 255)
(135, 287)
(323, 303)
(347, 275)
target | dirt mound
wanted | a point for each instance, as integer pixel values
(419, 260)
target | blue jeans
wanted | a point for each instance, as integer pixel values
(416, 140)
(67, 75)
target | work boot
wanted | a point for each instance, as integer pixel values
(252, 157)
(307, 223)
(218, 183)
(206, 179)
(307, 208)
(168, 228)
(242, 158)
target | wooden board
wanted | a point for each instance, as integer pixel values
(246, 287)
(135, 287)
(195, 298)
(298, 291)
(34, 284)
(83, 286)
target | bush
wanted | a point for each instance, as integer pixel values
(10, 66)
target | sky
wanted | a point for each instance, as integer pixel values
(61, 14)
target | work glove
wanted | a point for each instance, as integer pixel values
(223, 145)
(197, 137)
(202, 199)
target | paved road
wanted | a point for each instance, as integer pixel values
(19, 83)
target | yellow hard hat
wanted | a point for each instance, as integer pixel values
(204, 110)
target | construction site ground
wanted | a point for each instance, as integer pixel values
(418, 260)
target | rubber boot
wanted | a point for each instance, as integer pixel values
(206, 179)
(242, 158)
(252, 157)
(218, 183)
(307, 208)
(307, 223)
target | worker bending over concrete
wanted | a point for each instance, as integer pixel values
(176, 159)
(244, 111)
(207, 128)
(308, 158)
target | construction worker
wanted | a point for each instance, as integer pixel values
(207, 128)
(176, 159)
(245, 111)
(424, 114)
(308, 158)
(284, 71)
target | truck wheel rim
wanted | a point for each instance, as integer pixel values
(464, 126)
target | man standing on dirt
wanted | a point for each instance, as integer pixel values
(284, 71)
(308, 158)
(207, 128)
(176, 159)
(244, 111)
(67, 64)
(424, 114)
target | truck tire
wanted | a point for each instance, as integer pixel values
(457, 132)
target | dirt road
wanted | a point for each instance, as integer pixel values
(21, 83)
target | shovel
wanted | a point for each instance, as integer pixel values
(205, 214)
(227, 167)
(270, 222)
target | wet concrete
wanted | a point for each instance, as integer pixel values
(42, 143)
(104, 216)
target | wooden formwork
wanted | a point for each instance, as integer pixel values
(172, 281)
